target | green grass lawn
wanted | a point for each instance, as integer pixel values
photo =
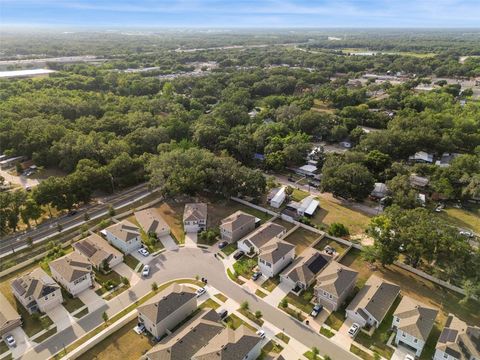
(260, 293)
(107, 281)
(46, 335)
(326, 332)
(244, 267)
(467, 217)
(82, 313)
(234, 277)
(310, 356)
(301, 238)
(71, 303)
(131, 261)
(283, 337)
(335, 319)
(359, 352)
(251, 316)
(287, 225)
(303, 301)
(271, 348)
(234, 322)
(221, 297)
(339, 248)
(229, 249)
(293, 313)
(32, 324)
(271, 283)
(298, 195)
(209, 303)
(3, 347)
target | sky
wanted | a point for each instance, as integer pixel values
(240, 13)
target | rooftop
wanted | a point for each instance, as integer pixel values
(237, 220)
(195, 212)
(459, 340)
(335, 278)
(151, 221)
(264, 234)
(96, 249)
(307, 266)
(416, 319)
(124, 230)
(72, 266)
(36, 284)
(275, 250)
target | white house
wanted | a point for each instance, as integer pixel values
(305, 207)
(98, 251)
(278, 199)
(255, 240)
(274, 256)
(458, 341)
(152, 222)
(195, 217)
(74, 272)
(307, 170)
(124, 236)
(421, 157)
(413, 322)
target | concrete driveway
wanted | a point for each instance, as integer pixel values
(341, 337)
(191, 239)
(169, 243)
(91, 299)
(143, 259)
(60, 317)
(22, 340)
(401, 352)
(277, 294)
(124, 270)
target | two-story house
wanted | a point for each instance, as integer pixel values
(152, 222)
(195, 217)
(334, 284)
(254, 241)
(74, 272)
(99, 252)
(458, 341)
(274, 256)
(37, 291)
(10, 319)
(236, 226)
(124, 236)
(413, 322)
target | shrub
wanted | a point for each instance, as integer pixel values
(338, 230)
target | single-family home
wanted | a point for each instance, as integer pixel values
(37, 291)
(446, 159)
(307, 170)
(9, 317)
(74, 272)
(413, 322)
(99, 252)
(458, 341)
(379, 191)
(167, 309)
(302, 273)
(152, 222)
(124, 236)
(278, 197)
(236, 226)
(304, 207)
(421, 157)
(274, 256)
(372, 302)
(263, 234)
(418, 182)
(334, 284)
(195, 217)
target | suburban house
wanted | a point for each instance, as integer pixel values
(167, 309)
(413, 322)
(9, 317)
(37, 291)
(307, 170)
(305, 207)
(236, 226)
(458, 341)
(421, 157)
(302, 273)
(124, 236)
(274, 256)
(379, 190)
(278, 196)
(372, 302)
(152, 222)
(195, 217)
(334, 284)
(266, 232)
(99, 252)
(73, 272)
(446, 159)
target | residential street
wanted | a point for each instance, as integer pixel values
(182, 263)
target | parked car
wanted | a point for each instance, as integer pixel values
(10, 340)
(256, 275)
(72, 212)
(223, 314)
(146, 270)
(238, 255)
(354, 329)
(200, 292)
(261, 333)
(329, 250)
(409, 357)
(139, 329)
(143, 251)
(466, 233)
(222, 244)
(316, 310)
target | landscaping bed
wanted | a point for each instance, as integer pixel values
(234, 322)
(251, 316)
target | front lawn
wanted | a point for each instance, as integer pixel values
(34, 323)
(229, 249)
(271, 283)
(283, 337)
(326, 332)
(234, 277)
(260, 293)
(303, 301)
(250, 316)
(131, 261)
(71, 303)
(244, 267)
(302, 239)
(209, 303)
(335, 319)
(107, 281)
(360, 353)
(234, 322)
(221, 297)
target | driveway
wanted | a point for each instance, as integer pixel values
(124, 270)
(277, 294)
(341, 337)
(191, 239)
(23, 342)
(60, 317)
(91, 299)
(169, 243)
(143, 259)
(18, 180)
(401, 352)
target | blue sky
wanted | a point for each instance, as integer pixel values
(241, 13)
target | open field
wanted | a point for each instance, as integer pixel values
(302, 239)
(467, 218)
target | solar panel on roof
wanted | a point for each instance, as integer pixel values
(86, 248)
(18, 287)
(448, 335)
(318, 264)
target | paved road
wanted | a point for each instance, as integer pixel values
(189, 262)
(48, 229)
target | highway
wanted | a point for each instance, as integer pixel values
(48, 229)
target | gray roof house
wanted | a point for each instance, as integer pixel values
(236, 226)
(372, 302)
(98, 251)
(274, 256)
(334, 284)
(418, 182)
(422, 157)
(255, 240)
(458, 341)
(379, 190)
(413, 322)
(195, 217)
(73, 271)
(9, 317)
(124, 236)
(152, 222)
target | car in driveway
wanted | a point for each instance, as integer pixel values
(200, 292)
(146, 270)
(256, 275)
(317, 309)
(10, 340)
(409, 357)
(354, 329)
(143, 252)
(222, 244)
(223, 314)
(261, 333)
(238, 255)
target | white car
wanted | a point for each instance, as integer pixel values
(9, 339)
(409, 357)
(200, 292)
(143, 252)
(261, 333)
(146, 270)
(354, 329)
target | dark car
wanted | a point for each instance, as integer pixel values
(72, 213)
(256, 275)
(222, 244)
(223, 314)
(316, 310)
(238, 255)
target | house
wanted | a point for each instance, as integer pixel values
(278, 197)
(307, 170)
(165, 311)
(418, 182)
(446, 159)
(236, 226)
(195, 217)
(413, 322)
(305, 207)
(255, 240)
(421, 157)
(458, 341)
(274, 256)
(99, 252)
(9, 317)
(37, 291)
(379, 191)
(301, 274)
(372, 302)
(10, 162)
(73, 272)
(190, 338)
(152, 222)
(124, 236)
(334, 284)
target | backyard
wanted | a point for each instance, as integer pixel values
(339, 248)
(302, 239)
(466, 218)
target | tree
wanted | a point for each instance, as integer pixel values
(369, 254)
(111, 210)
(30, 211)
(244, 305)
(338, 230)
(258, 314)
(289, 191)
(315, 352)
(402, 192)
(154, 286)
(105, 317)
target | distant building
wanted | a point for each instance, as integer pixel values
(124, 236)
(274, 256)
(379, 191)
(307, 170)
(195, 217)
(278, 197)
(152, 222)
(74, 272)
(446, 159)
(262, 235)
(9, 317)
(421, 157)
(305, 207)
(236, 226)
(98, 251)
(418, 182)
(10, 162)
